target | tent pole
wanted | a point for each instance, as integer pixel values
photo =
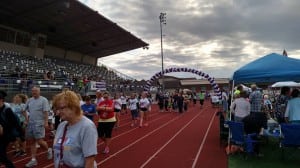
(232, 94)
(229, 132)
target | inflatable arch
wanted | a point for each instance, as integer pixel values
(200, 73)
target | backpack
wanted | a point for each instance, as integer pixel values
(12, 130)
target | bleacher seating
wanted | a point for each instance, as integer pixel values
(20, 72)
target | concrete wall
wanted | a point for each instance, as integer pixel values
(89, 60)
(30, 51)
(73, 56)
(54, 51)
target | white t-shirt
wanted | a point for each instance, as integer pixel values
(215, 99)
(132, 104)
(123, 99)
(117, 103)
(224, 96)
(144, 103)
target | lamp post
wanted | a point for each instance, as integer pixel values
(162, 19)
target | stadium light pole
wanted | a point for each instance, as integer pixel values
(163, 21)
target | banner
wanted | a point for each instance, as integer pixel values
(98, 85)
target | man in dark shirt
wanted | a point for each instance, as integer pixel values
(252, 126)
(8, 122)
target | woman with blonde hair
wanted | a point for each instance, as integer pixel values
(75, 142)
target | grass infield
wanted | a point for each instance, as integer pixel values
(272, 157)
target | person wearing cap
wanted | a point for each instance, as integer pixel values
(238, 90)
(106, 121)
(38, 108)
(240, 107)
(8, 122)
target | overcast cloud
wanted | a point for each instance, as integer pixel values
(214, 36)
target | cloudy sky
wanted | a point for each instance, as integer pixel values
(214, 36)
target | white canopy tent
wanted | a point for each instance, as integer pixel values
(286, 83)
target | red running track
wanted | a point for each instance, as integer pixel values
(189, 140)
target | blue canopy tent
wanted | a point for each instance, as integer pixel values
(270, 68)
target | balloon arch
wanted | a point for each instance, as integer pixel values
(194, 71)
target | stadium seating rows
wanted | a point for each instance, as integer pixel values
(19, 72)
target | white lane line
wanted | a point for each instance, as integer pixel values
(128, 146)
(203, 141)
(174, 136)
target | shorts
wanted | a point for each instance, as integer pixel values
(105, 129)
(123, 107)
(144, 109)
(134, 114)
(117, 110)
(35, 131)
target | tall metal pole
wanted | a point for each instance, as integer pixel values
(162, 19)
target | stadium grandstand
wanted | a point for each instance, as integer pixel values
(56, 44)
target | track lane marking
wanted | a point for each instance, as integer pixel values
(173, 137)
(203, 141)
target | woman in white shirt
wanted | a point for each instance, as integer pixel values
(144, 105)
(240, 107)
(133, 109)
(117, 107)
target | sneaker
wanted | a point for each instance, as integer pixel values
(106, 150)
(31, 163)
(22, 153)
(146, 124)
(37, 145)
(49, 154)
(16, 153)
(19, 153)
(132, 125)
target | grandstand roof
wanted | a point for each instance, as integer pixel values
(69, 24)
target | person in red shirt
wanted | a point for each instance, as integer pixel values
(106, 121)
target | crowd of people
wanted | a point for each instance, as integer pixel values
(180, 100)
(254, 109)
(77, 124)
